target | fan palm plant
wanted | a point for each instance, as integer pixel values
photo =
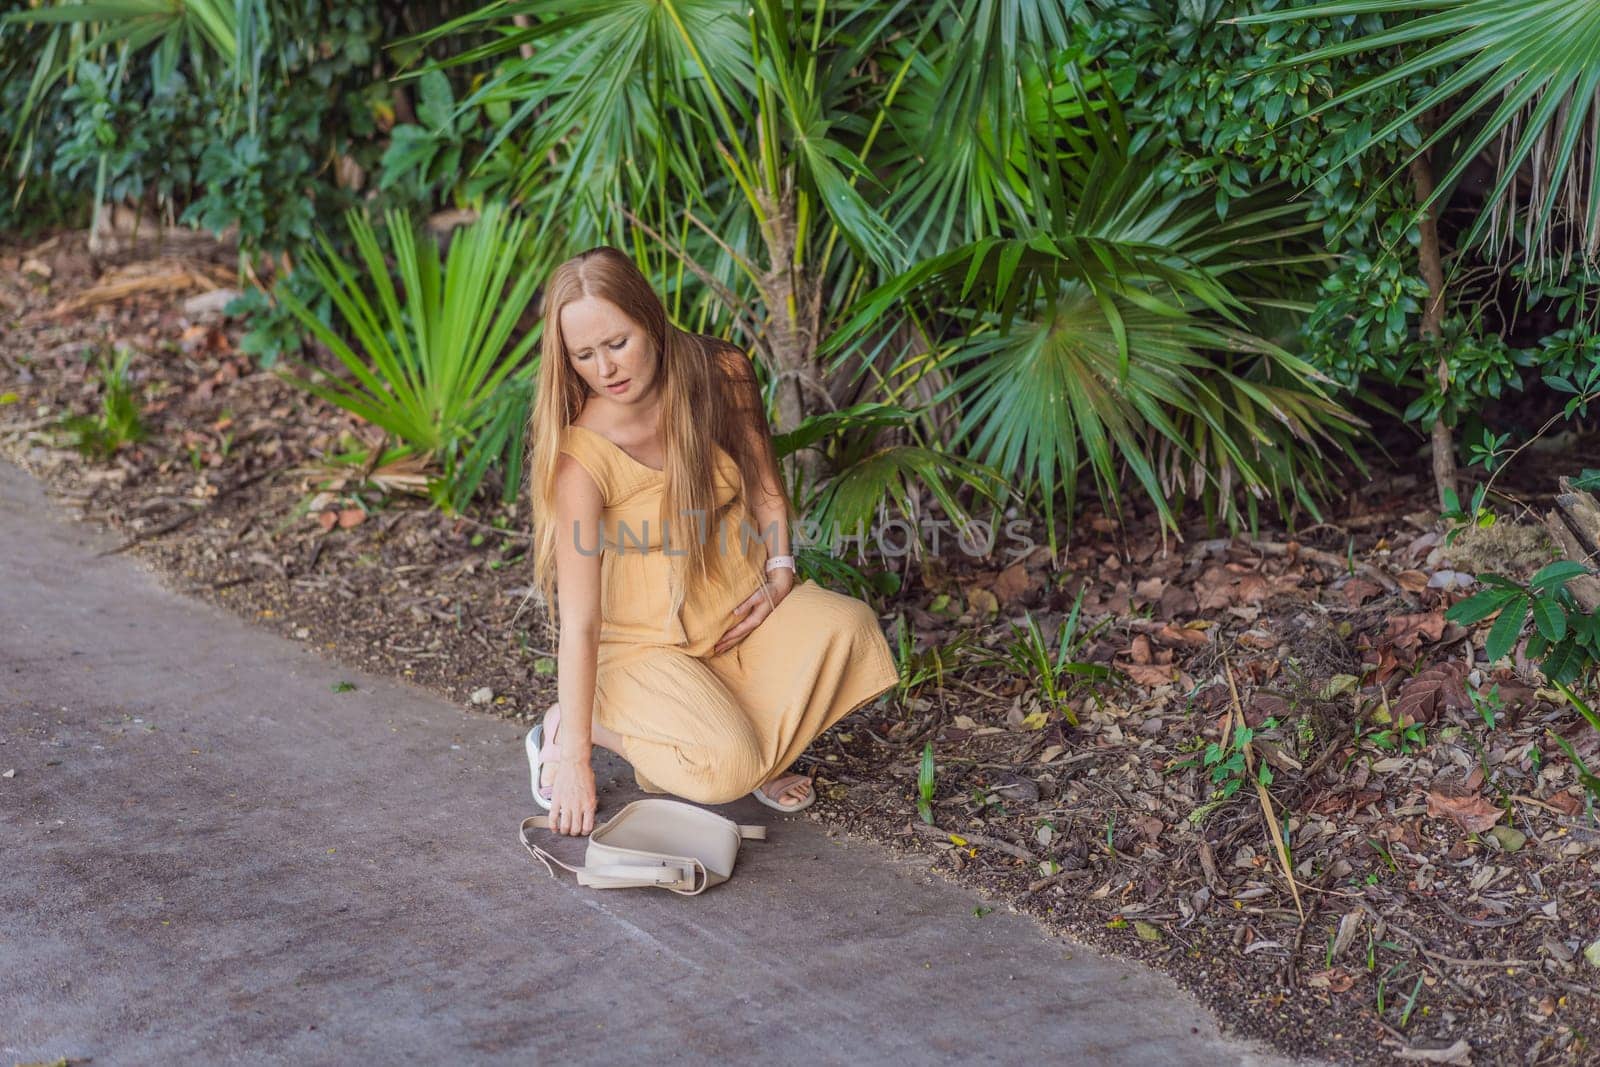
(433, 362)
(746, 143)
(1091, 339)
(865, 476)
(771, 164)
(1519, 78)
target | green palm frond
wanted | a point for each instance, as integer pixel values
(1100, 336)
(427, 358)
(830, 424)
(866, 478)
(1527, 75)
(1065, 389)
(210, 30)
(964, 128)
(603, 83)
(890, 477)
(1256, 437)
(201, 24)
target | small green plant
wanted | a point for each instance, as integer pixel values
(1488, 702)
(117, 423)
(1462, 519)
(1388, 859)
(1587, 778)
(1399, 738)
(1411, 1003)
(1383, 985)
(929, 666)
(925, 784)
(1226, 765)
(1566, 639)
(1055, 676)
(816, 562)
(983, 799)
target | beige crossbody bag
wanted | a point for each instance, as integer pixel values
(654, 842)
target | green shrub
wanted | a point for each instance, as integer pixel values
(430, 359)
(118, 422)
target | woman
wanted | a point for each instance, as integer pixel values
(687, 646)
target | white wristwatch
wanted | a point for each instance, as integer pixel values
(777, 562)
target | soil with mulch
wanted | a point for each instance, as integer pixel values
(1446, 872)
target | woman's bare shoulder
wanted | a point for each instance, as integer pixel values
(582, 466)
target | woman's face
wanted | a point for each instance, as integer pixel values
(610, 352)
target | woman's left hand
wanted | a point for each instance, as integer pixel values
(755, 607)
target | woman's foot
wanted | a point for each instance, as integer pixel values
(788, 792)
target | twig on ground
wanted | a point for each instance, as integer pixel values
(1058, 878)
(181, 520)
(1261, 794)
(1455, 961)
(1328, 559)
(982, 840)
(509, 535)
(1482, 924)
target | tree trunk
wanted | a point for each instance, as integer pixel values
(788, 339)
(1574, 524)
(1444, 448)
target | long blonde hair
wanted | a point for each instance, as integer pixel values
(693, 370)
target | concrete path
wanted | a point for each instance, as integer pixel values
(208, 856)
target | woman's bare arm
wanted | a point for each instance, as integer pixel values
(768, 504)
(579, 502)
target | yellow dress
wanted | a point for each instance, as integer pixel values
(705, 726)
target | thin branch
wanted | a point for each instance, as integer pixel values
(741, 309)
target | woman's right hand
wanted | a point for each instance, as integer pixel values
(572, 798)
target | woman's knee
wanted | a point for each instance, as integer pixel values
(721, 772)
(844, 610)
(862, 615)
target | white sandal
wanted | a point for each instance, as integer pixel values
(760, 793)
(535, 745)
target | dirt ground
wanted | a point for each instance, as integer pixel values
(1445, 870)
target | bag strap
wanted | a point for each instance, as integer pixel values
(688, 880)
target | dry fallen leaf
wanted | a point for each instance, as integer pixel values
(1252, 589)
(1359, 590)
(1408, 631)
(1148, 674)
(1412, 581)
(1459, 1054)
(1438, 689)
(1473, 814)
(1013, 583)
(1213, 589)
(1334, 980)
(981, 600)
(1182, 635)
(1259, 639)
(1566, 802)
